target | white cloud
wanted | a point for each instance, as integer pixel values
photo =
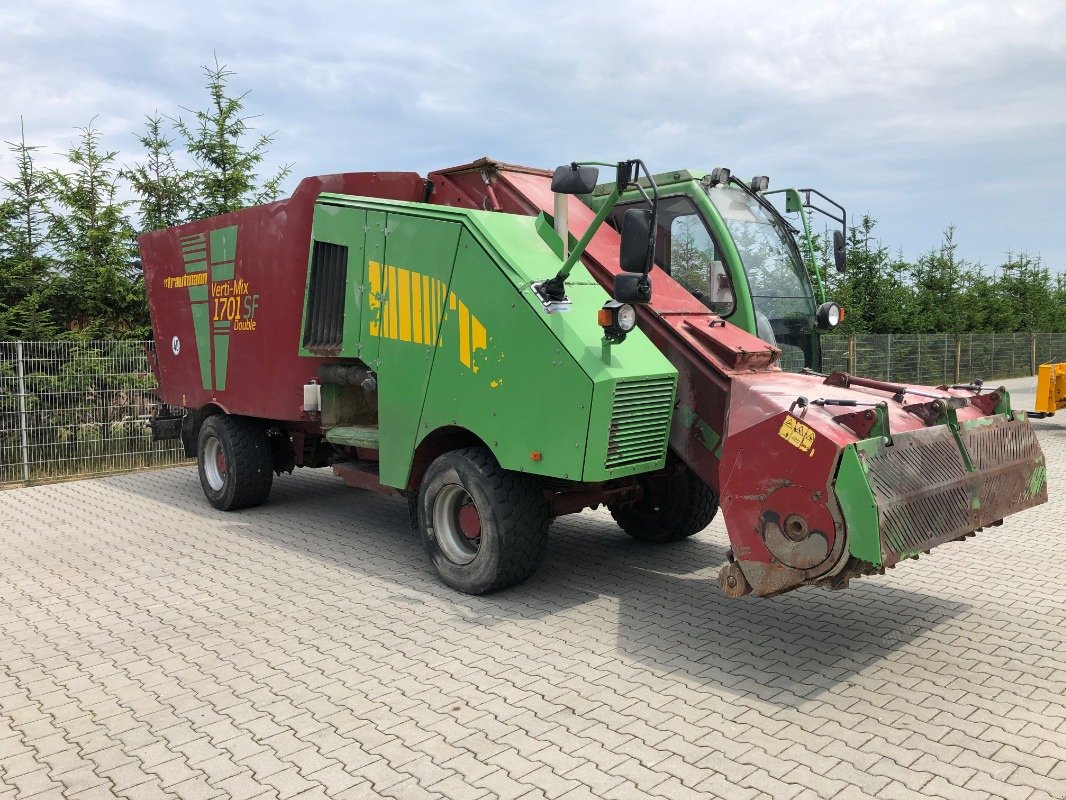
(901, 109)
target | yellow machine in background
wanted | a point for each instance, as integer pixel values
(1050, 388)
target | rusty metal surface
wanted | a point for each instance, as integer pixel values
(1008, 455)
(923, 491)
(926, 495)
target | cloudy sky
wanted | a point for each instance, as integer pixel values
(921, 114)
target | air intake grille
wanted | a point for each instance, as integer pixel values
(640, 421)
(324, 325)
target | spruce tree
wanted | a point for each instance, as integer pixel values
(163, 189)
(100, 293)
(25, 263)
(226, 151)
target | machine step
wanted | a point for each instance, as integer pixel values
(354, 436)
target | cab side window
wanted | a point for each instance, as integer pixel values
(685, 248)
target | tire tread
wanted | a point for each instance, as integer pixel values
(253, 460)
(698, 506)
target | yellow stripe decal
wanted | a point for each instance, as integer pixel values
(416, 308)
(464, 334)
(410, 307)
(478, 338)
(427, 309)
(403, 303)
(390, 298)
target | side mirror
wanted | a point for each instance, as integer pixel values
(839, 251)
(572, 179)
(631, 288)
(636, 232)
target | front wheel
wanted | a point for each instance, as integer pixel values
(235, 462)
(484, 528)
(674, 507)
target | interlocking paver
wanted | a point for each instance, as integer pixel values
(153, 647)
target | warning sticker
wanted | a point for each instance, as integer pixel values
(797, 434)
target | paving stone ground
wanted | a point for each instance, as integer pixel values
(151, 646)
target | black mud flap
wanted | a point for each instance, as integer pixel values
(165, 427)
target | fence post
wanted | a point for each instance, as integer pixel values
(958, 358)
(22, 412)
(851, 354)
(1032, 353)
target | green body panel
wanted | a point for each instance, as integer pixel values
(449, 321)
(345, 227)
(857, 503)
(426, 247)
(368, 348)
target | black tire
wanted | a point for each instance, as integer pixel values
(511, 518)
(245, 473)
(674, 507)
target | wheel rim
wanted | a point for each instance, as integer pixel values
(215, 466)
(457, 524)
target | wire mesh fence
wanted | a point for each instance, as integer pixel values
(75, 408)
(942, 358)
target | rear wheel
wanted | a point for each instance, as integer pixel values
(235, 462)
(484, 528)
(674, 507)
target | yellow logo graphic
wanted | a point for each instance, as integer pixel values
(181, 281)
(797, 434)
(413, 307)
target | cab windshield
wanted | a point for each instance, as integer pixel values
(780, 289)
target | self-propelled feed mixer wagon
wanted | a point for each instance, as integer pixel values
(481, 343)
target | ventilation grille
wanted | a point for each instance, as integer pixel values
(324, 325)
(923, 490)
(640, 421)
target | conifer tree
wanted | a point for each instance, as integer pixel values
(226, 151)
(163, 189)
(25, 264)
(100, 292)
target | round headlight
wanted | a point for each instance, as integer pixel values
(829, 315)
(627, 318)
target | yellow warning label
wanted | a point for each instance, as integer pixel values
(796, 433)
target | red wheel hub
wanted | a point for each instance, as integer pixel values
(470, 521)
(220, 461)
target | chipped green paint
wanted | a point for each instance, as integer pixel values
(1038, 479)
(712, 440)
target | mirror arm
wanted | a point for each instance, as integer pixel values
(555, 287)
(556, 283)
(842, 219)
